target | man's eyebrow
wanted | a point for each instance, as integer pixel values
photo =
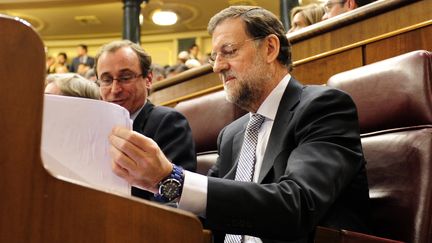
(121, 71)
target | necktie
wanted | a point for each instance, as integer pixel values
(246, 163)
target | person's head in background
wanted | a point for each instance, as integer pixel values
(335, 7)
(62, 58)
(194, 51)
(71, 84)
(82, 50)
(302, 16)
(83, 69)
(91, 75)
(123, 72)
(182, 57)
(158, 72)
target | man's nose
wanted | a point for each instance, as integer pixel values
(115, 87)
(220, 65)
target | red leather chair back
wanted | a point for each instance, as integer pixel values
(207, 115)
(391, 93)
(394, 101)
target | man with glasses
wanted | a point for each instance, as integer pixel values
(336, 7)
(124, 75)
(294, 162)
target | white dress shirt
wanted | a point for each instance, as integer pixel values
(194, 195)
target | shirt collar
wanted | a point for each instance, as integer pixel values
(269, 107)
(135, 114)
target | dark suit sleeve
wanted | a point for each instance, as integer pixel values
(171, 131)
(320, 158)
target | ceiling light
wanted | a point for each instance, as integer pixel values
(162, 17)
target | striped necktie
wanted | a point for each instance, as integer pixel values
(246, 163)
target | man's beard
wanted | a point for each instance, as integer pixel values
(247, 90)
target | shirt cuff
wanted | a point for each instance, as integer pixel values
(194, 195)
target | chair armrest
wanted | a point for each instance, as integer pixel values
(329, 235)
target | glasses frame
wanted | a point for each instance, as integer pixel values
(230, 54)
(121, 79)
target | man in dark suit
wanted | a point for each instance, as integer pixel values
(82, 59)
(124, 75)
(275, 180)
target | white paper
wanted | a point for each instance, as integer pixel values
(75, 140)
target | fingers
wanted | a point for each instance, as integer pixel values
(132, 137)
(138, 159)
(136, 146)
(122, 160)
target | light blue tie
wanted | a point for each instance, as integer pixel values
(246, 163)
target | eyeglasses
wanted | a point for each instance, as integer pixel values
(230, 50)
(329, 5)
(124, 78)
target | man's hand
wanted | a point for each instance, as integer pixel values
(138, 159)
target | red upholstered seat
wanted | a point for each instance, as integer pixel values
(207, 115)
(394, 101)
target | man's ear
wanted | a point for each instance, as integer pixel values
(351, 4)
(273, 45)
(149, 80)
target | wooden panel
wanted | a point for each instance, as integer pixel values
(168, 94)
(418, 39)
(332, 49)
(396, 19)
(320, 70)
(35, 206)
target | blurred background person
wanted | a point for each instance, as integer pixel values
(172, 71)
(302, 16)
(182, 57)
(192, 63)
(61, 65)
(158, 72)
(335, 7)
(50, 62)
(83, 69)
(194, 51)
(71, 84)
(91, 75)
(82, 58)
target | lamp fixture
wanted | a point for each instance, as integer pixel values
(164, 17)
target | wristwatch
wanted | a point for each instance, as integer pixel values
(171, 187)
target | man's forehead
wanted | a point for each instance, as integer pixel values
(228, 31)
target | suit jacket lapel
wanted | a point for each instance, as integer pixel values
(141, 119)
(290, 98)
(237, 144)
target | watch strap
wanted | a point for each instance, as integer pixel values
(177, 176)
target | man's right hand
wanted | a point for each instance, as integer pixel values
(138, 159)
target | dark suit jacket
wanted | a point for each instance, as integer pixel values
(171, 131)
(76, 62)
(313, 172)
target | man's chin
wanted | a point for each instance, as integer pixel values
(120, 103)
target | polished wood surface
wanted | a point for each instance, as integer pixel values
(415, 39)
(320, 70)
(189, 84)
(375, 32)
(37, 207)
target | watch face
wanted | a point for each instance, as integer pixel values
(170, 189)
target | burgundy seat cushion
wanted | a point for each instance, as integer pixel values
(391, 93)
(400, 182)
(207, 115)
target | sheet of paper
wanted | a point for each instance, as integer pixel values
(75, 140)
